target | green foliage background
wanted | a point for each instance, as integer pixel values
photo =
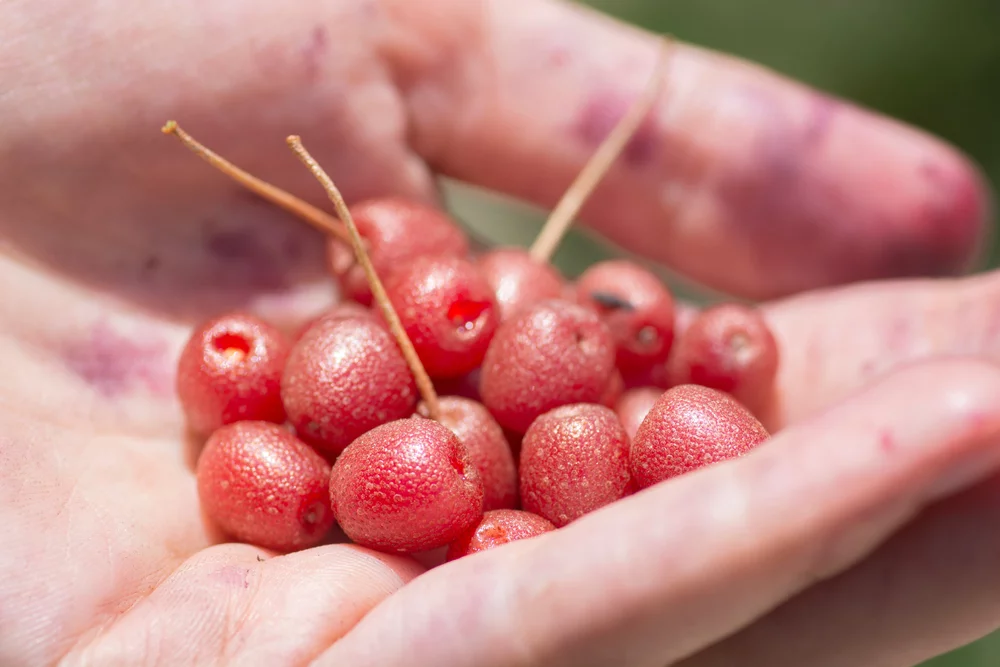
(933, 63)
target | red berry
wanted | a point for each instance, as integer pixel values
(230, 370)
(488, 448)
(637, 307)
(264, 486)
(549, 354)
(447, 310)
(344, 377)
(498, 528)
(406, 486)
(517, 280)
(729, 347)
(574, 460)
(690, 427)
(394, 229)
(634, 405)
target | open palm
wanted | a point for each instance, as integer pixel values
(862, 534)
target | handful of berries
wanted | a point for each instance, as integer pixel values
(566, 397)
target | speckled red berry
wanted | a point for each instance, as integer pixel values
(637, 307)
(729, 347)
(497, 528)
(344, 377)
(690, 427)
(448, 311)
(342, 310)
(406, 486)
(394, 230)
(262, 485)
(550, 354)
(230, 370)
(574, 460)
(488, 448)
(517, 280)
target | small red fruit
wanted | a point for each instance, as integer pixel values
(637, 307)
(343, 378)
(488, 448)
(448, 311)
(406, 486)
(729, 347)
(550, 354)
(614, 390)
(230, 370)
(264, 486)
(395, 230)
(497, 528)
(517, 280)
(345, 309)
(574, 460)
(634, 405)
(690, 427)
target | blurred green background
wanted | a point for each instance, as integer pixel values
(933, 63)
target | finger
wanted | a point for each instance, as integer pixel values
(931, 588)
(832, 343)
(94, 193)
(234, 604)
(664, 573)
(741, 179)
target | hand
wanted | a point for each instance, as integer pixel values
(864, 533)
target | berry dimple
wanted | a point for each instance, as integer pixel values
(487, 447)
(447, 310)
(263, 486)
(230, 370)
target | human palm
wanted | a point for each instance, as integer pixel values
(861, 534)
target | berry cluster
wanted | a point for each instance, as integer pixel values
(566, 395)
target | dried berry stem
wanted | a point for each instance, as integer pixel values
(569, 206)
(424, 383)
(314, 216)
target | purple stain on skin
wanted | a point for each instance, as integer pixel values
(242, 257)
(233, 576)
(600, 115)
(314, 52)
(116, 364)
(824, 110)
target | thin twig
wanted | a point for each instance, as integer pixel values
(572, 201)
(314, 216)
(424, 383)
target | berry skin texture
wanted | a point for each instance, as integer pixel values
(346, 309)
(574, 460)
(395, 230)
(637, 307)
(264, 486)
(550, 354)
(344, 377)
(487, 447)
(729, 347)
(634, 405)
(517, 280)
(406, 486)
(498, 527)
(230, 370)
(690, 427)
(448, 311)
